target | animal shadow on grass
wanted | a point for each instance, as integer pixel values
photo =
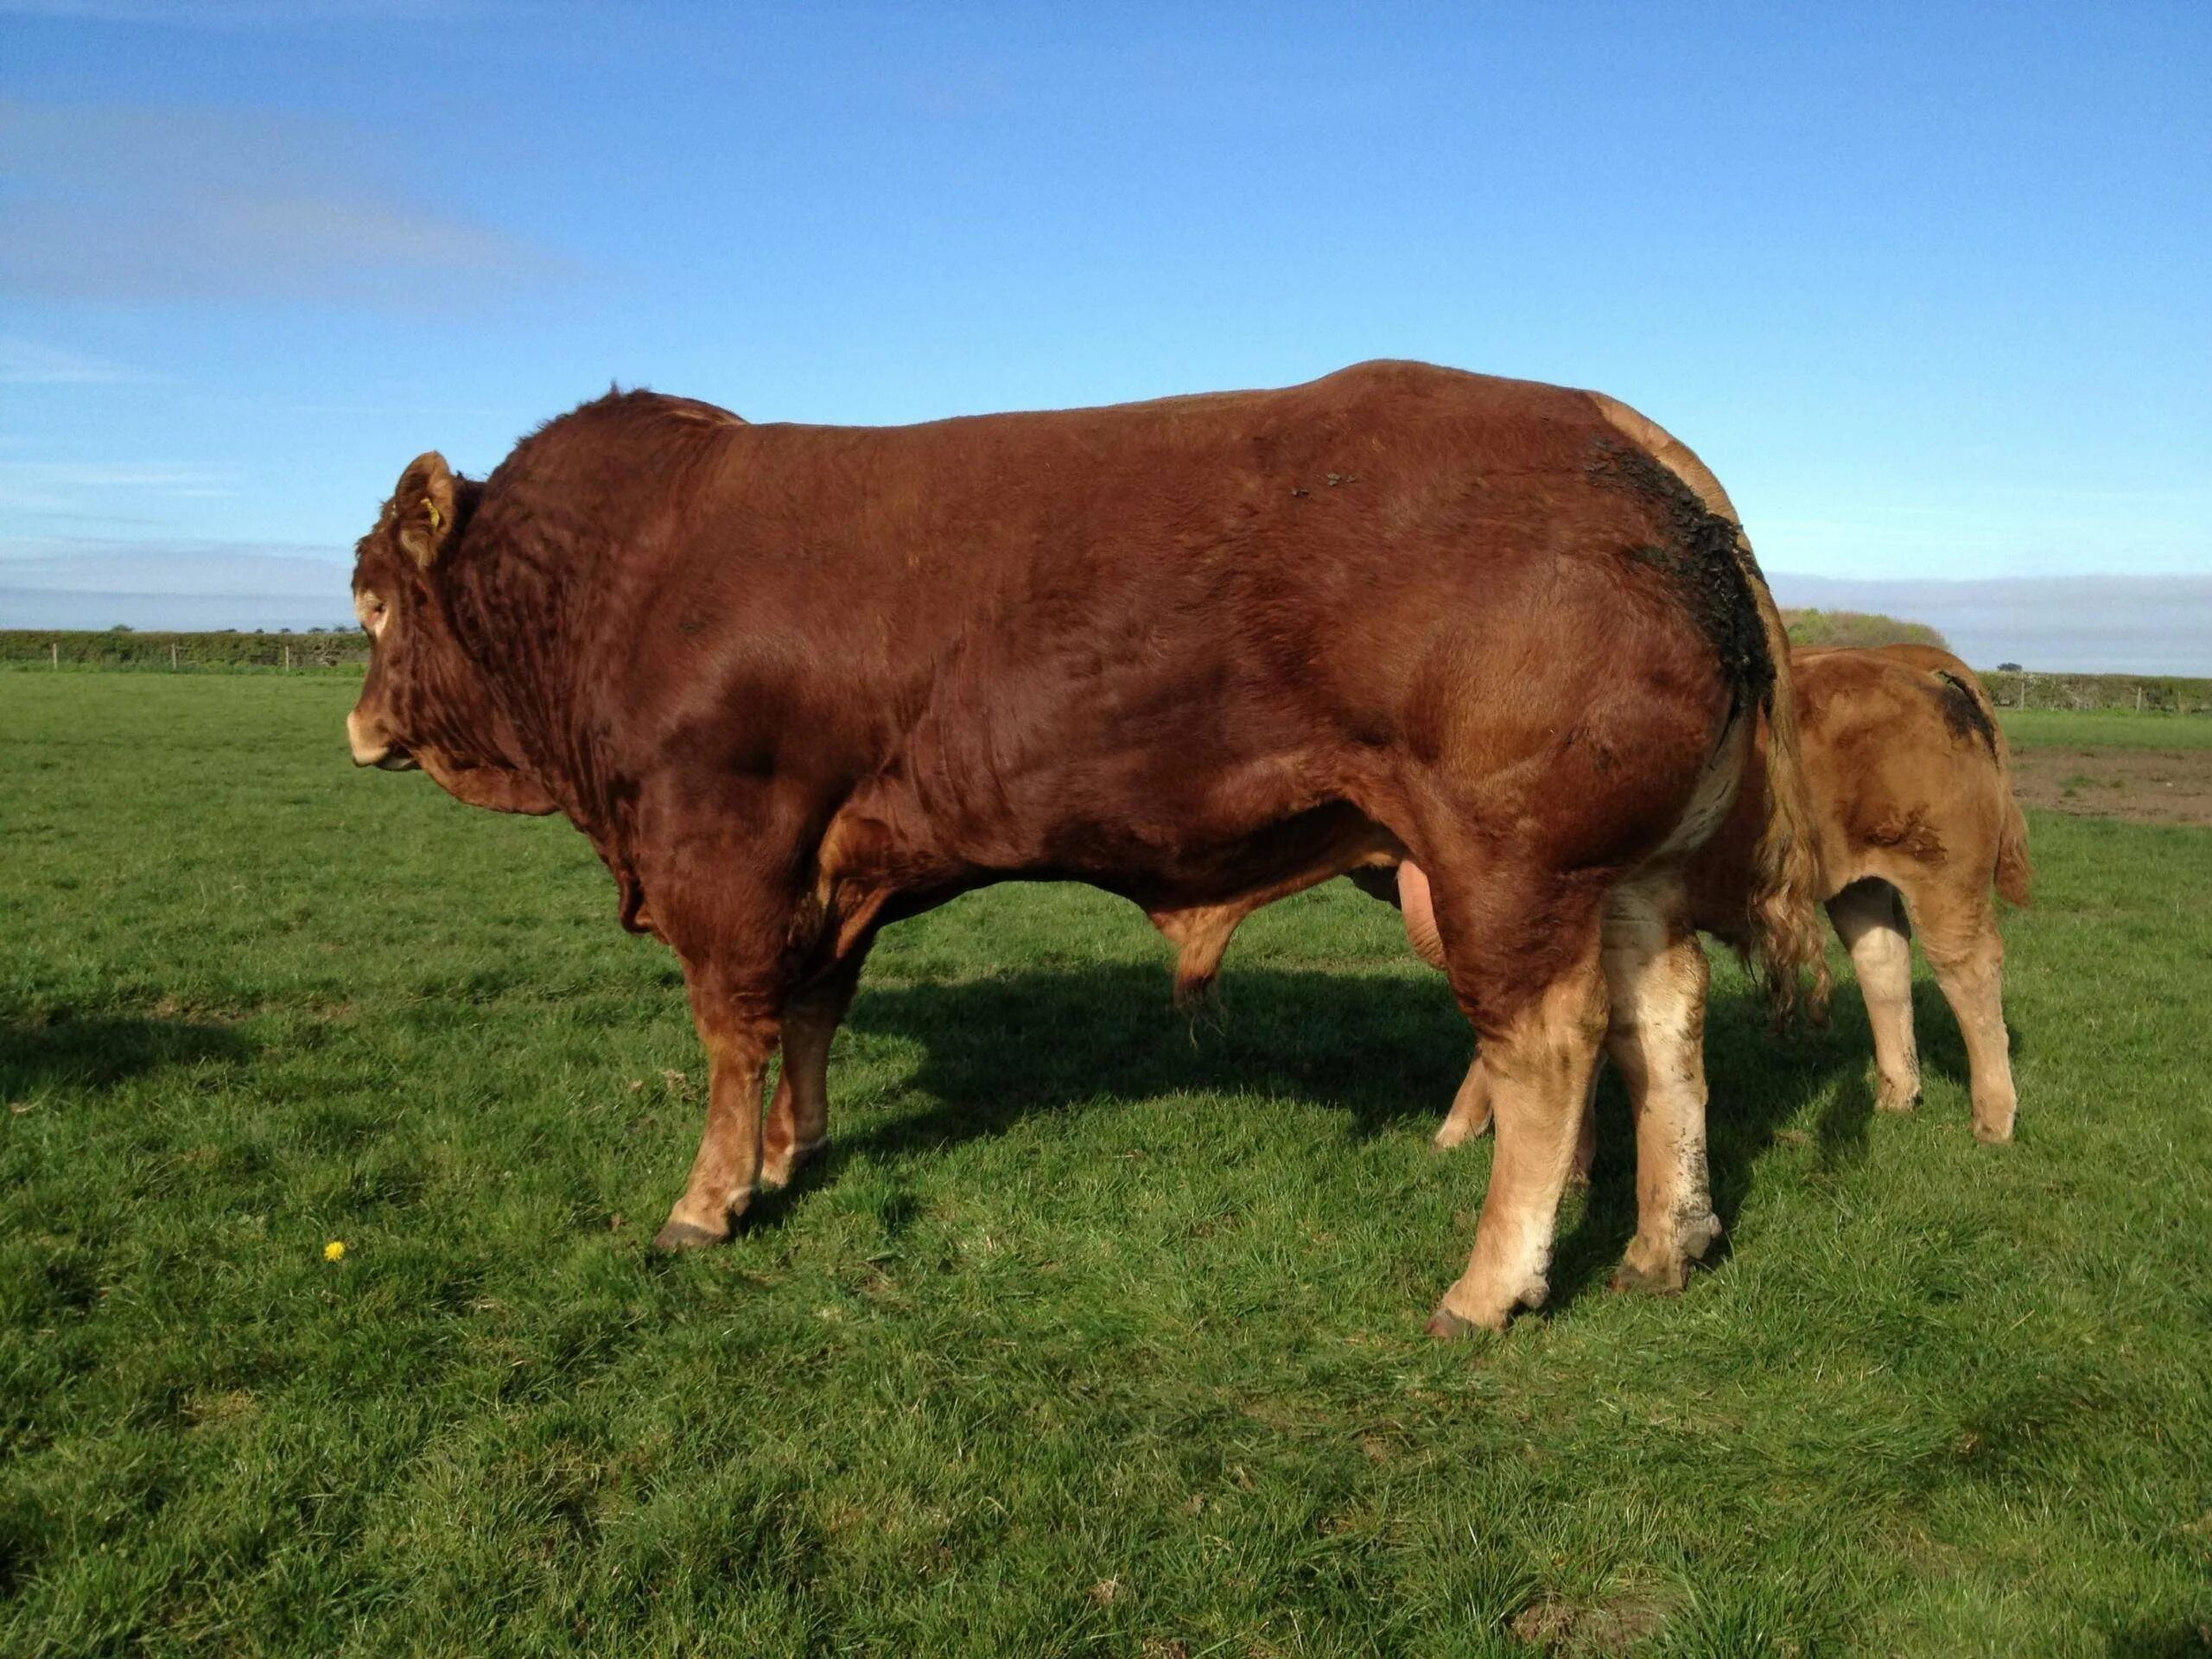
(100, 1052)
(2179, 1640)
(1387, 1050)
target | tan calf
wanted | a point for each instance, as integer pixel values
(1916, 822)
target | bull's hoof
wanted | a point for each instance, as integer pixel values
(1666, 1272)
(1900, 1105)
(686, 1236)
(777, 1174)
(1452, 1133)
(1993, 1134)
(1446, 1327)
(1664, 1279)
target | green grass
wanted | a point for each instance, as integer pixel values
(2104, 728)
(1099, 1333)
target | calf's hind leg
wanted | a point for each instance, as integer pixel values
(1538, 1048)
(1655, 980)
(1959, 935)
(1870, 922)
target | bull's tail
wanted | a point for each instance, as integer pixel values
(1786, 937)
(1786, 886)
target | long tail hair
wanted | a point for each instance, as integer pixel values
(1786, 887)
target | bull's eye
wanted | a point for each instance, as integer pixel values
(372, 613)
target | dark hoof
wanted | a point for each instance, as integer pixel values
(686, 1236)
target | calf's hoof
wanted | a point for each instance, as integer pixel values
(686, 1236)
(1994, 1132)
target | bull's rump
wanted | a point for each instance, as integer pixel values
(1132, 638)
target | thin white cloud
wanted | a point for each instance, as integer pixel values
(27, 362)
(84, 582)
(132, 204)
(73, 488)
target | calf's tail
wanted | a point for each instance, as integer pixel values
(2014, 872)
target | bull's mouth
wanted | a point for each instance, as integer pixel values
(372, 748)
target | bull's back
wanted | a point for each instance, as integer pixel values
(1314, 537)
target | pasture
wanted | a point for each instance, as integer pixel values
(1099, 1330)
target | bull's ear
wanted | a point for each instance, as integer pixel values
(423, 507)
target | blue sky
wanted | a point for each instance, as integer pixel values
(1929, 287)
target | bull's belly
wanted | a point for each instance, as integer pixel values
(1161, 869)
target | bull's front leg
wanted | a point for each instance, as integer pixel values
(739, 1027)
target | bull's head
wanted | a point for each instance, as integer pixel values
(423, 703)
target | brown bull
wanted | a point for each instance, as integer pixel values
(1917, 821)
(797, 682)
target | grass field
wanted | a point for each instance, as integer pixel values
(1099, 1332)
(2105, 728)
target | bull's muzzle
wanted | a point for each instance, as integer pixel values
(372, 748)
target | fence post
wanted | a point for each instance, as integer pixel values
(288, 656)
(54, 646)
(171, 653)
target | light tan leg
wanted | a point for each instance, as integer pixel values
(1869, 920)
(1586, 1143)
(1968, 956)
(727, 1166)
(1469, 1117)
(1656, 975)
(798, 1116)
(1539, 1075)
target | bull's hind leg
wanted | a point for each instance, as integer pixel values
(1872, 924)
(1656, 979)
(1960, 934)
(1470, 1116)
(1539, 1046)
(799, 1116)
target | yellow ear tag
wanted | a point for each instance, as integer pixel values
(438, 518)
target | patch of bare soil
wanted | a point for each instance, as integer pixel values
(1574, 1631)
(2142, 785)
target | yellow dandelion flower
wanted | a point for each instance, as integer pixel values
(335, 1251)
